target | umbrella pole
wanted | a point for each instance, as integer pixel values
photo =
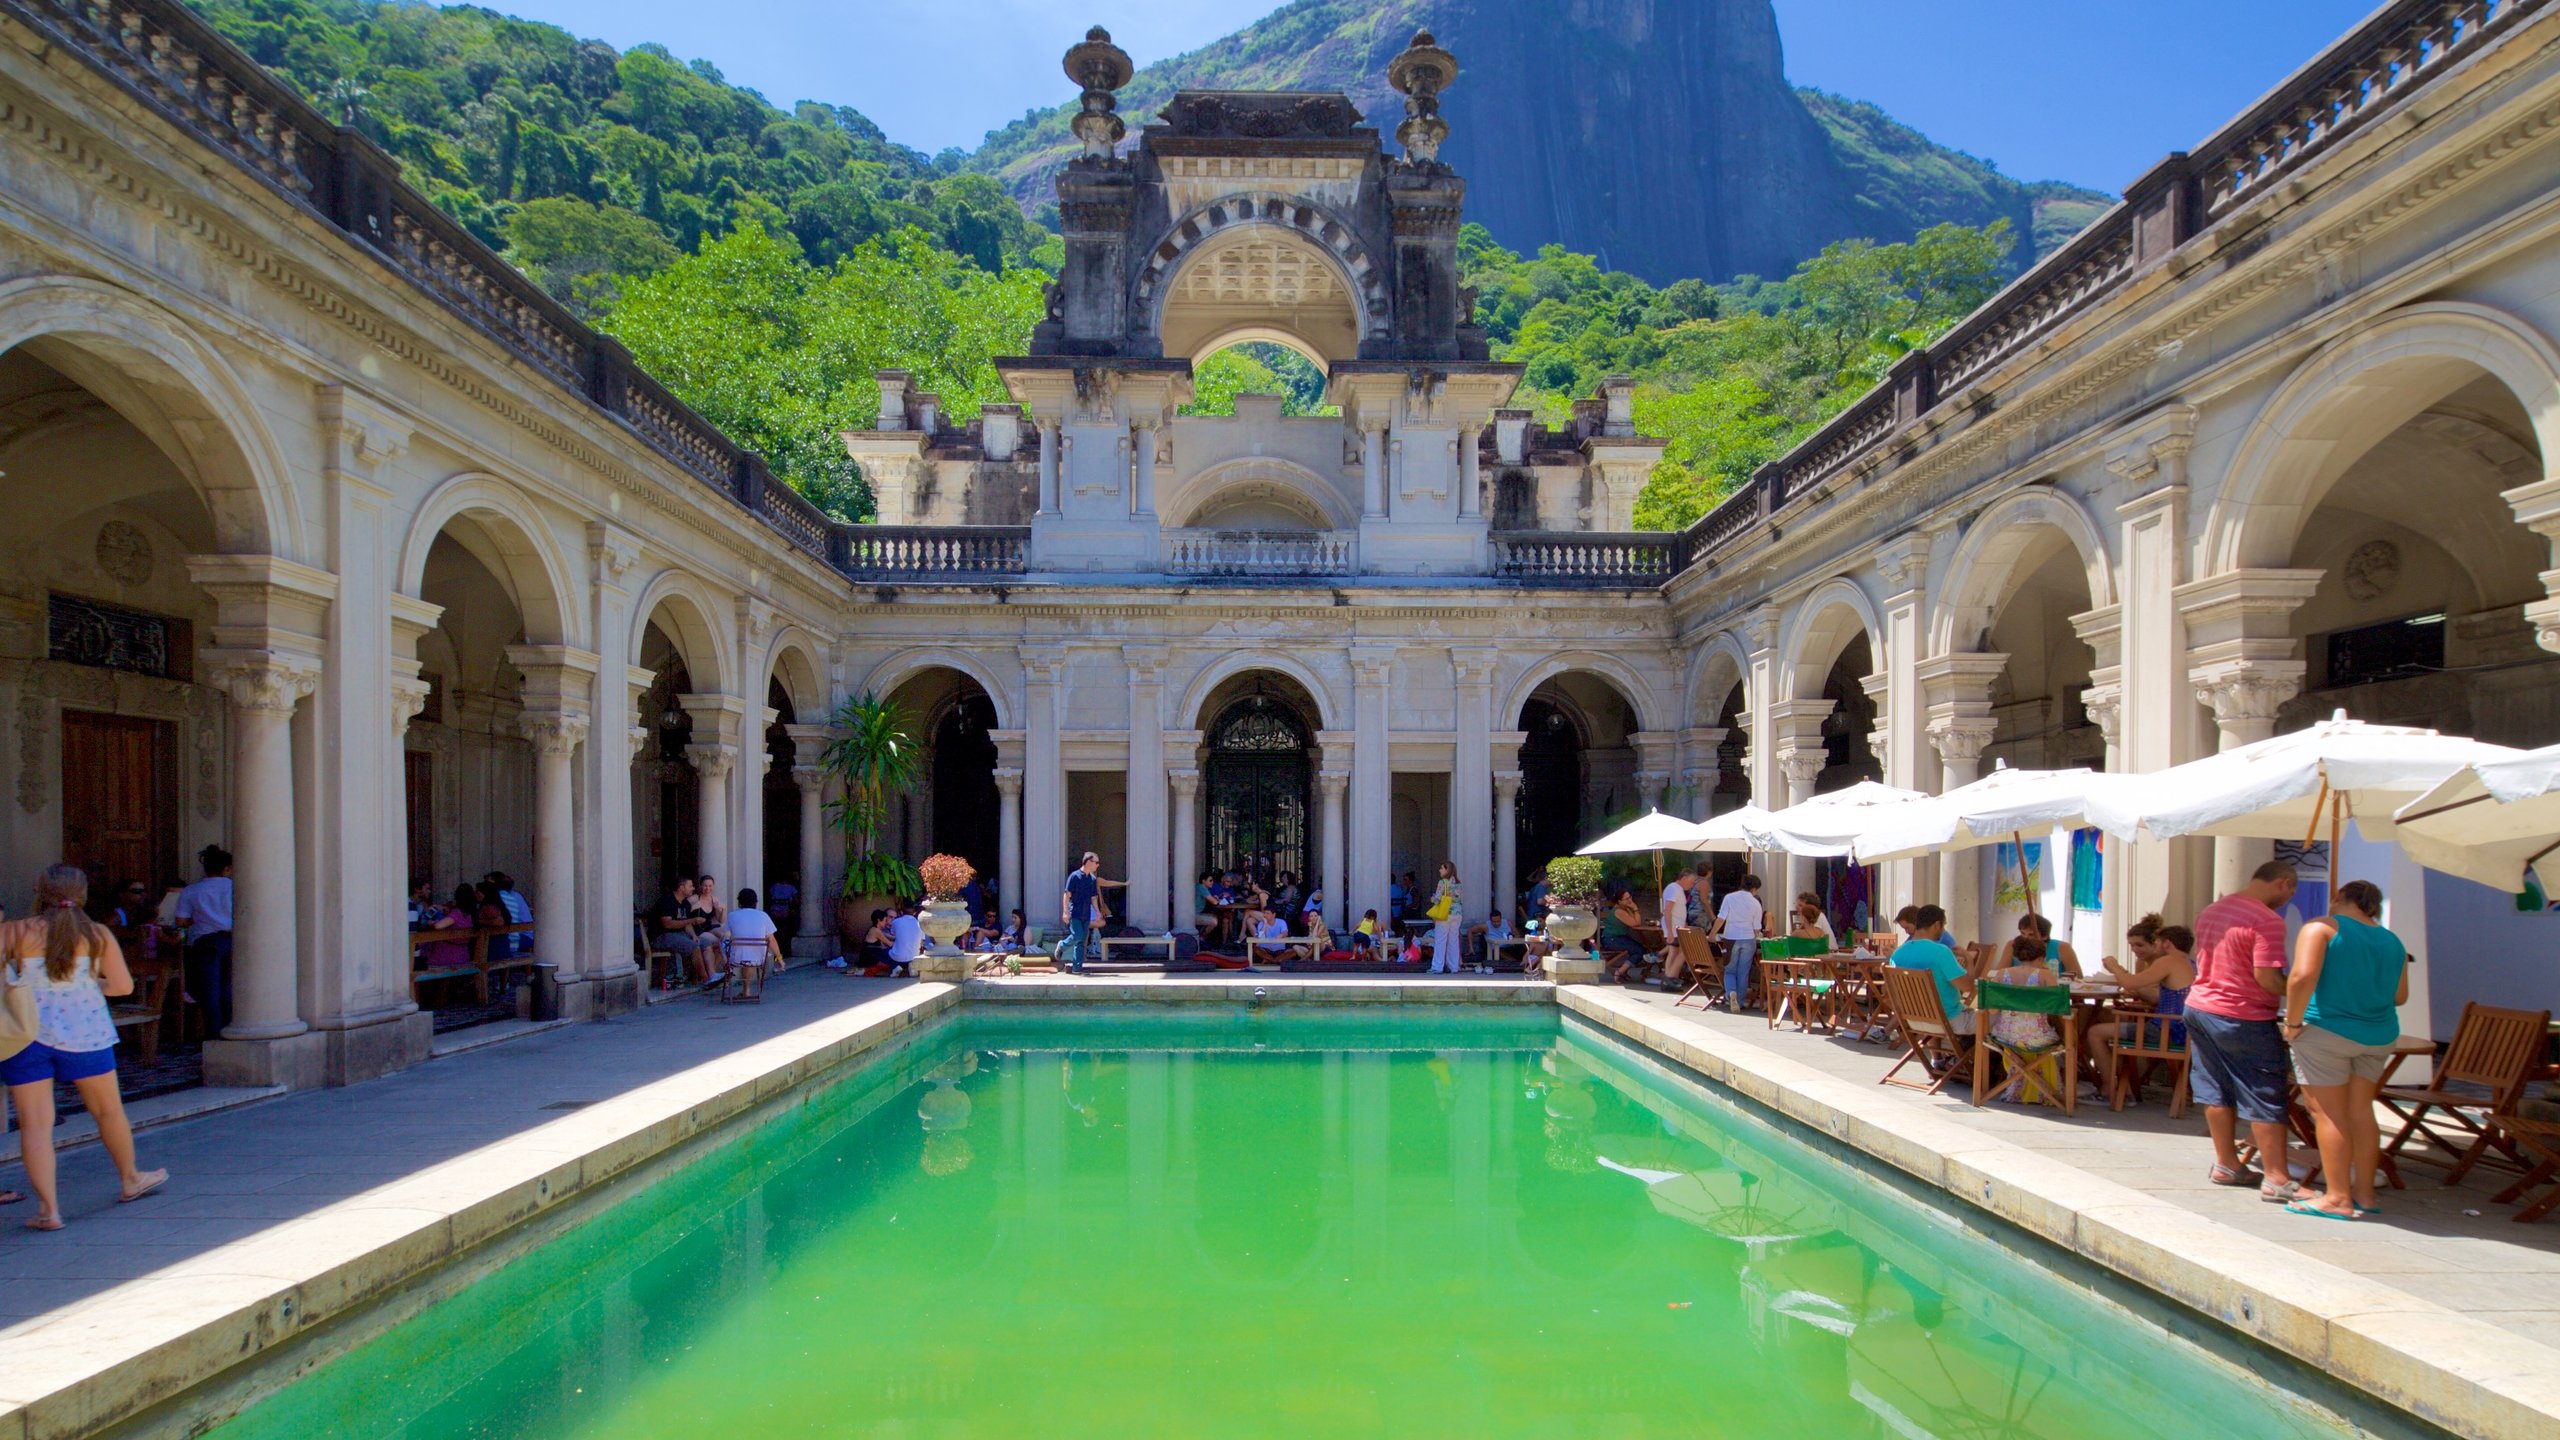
(2336, 878)
(2026, 887)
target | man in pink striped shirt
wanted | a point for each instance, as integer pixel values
(2235, 1052)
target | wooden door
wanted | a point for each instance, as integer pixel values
(421, 785)
(119, 799)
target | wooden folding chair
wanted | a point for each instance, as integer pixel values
(2039, 1081)
(1705, 966)
(1926, 1035)
(652, 955)
(2494, 1052)
(2539, 1143)
(2157, 1041)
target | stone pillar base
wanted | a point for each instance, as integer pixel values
(369, 1052)
(1573, 972)
(953, 967)
(599, 997)
(818, 946)
(299, 1062)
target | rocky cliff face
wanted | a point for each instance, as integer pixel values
(1661, 135)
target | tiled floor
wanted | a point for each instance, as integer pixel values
(2454, 1247)
(236, 1173)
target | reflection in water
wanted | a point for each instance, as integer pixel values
(1299, 1229)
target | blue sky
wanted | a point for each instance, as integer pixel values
(2091, 91)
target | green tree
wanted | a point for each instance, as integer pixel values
(583, 253)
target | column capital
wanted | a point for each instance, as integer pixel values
(408, 702)
(712, 761)
(1473, 664)
(1803, 764)
(555, 733)
(1903, 562)
(264, 682)
(1760, 628)
(1043, 664)
(1185, 782)
(614, 551)
(2104, 704)
(1146, 663)
(1008, 780)
(1506, 785)
(1373, 665)
(1961, 737)
(809, 779)
(2244, 691)
(1332, 782)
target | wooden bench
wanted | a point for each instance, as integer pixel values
(140, 1012)
(477, 971)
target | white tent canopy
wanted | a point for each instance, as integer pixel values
(1994, 808)
(1827, 824)
(2490, 822)
(2277, 788)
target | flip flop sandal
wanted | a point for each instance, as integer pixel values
(44, 1224)
(2364, 1210)
(148, 1186)
(10, 1197)
(2300, 1207)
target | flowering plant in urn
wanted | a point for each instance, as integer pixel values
(946, 875)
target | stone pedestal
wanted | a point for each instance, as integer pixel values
(369, 1052)
(1585, 971)
(298, 1062)
(598, 997)
(953, 967)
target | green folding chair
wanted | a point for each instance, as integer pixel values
(2040, 1077)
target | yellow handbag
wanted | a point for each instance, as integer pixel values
(1440, 905)
(17, 1011)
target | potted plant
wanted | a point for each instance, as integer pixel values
(946, 915)
(872, 758)
(1573, 892)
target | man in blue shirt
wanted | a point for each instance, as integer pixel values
(1081, 902)
(1927, 949)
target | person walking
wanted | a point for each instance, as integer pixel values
(1448, 921)
(1740, 919)
(1083, 893)
(2342, 1011)
(2235, 1052)
(204, 911)
(73, 964)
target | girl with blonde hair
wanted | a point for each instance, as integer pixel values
(72, 963)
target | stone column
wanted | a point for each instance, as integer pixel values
(1471, 774)
(1331, 783)
(1901, 751)
(1798, 756)
(1470, 477)
(2242, 667)
(1701, 767)
(2103, 702)
(264, 688)
(607, 832)
(1801, 766)
(1506, 838)
(1372, 778)
(1009, 837)
(811, 782)
(1960, 744)
(1760, 698)
(1044, 785)
(556, 736)
(1373, 468)
(2161, 725)
(1048, 480)
(1185, 783)
(711, 766)
(1147, 904)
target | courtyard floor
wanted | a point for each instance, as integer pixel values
(242, 1171)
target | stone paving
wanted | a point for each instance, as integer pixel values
(2424, 1243)
(241, 1171)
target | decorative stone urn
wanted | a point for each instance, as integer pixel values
(1570, 925)
(945, 918)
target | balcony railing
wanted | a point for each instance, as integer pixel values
(1278, 553)
(932, 552)
(2368, 72)
(1538, 557)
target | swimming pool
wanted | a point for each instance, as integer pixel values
(1188, 1221)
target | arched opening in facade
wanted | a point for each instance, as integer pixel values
(1848, 728)
(781, 796)
(666, 789)
(958, 810)
(1577, 766)
(2033, 580)
(1257, 779)
(1264, 282)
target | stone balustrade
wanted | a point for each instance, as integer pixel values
(1245, 553)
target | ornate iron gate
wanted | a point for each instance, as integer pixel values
(1259, 781)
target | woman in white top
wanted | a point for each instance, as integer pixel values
(754, 942)
(1447, 932)
(73, 964)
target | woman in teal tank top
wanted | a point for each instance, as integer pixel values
(2341, 1012)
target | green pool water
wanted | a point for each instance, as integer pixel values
(1435, 1223)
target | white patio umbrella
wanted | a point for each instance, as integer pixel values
(1729, 832)
(2491, 823)
(2284, 787)
(2003, 805)
(1827, 824)
(1656, 832)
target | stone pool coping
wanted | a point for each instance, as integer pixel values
(2469, 1376)
(115, 1356)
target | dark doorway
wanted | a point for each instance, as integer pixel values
(966, 810)
(781, 797)
(1258, 778)
(1548, 820)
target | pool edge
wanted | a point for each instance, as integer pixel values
(2446, 1368)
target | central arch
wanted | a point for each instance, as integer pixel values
(1262, 481)
(1292, 259)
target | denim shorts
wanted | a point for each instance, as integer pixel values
(40, 1063)
(2237, 1064)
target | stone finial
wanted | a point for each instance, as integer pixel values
(1420, 74)
(1100, 67)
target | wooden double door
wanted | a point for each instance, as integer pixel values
(120, 800)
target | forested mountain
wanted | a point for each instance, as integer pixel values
(1660, 135)
(763, 264)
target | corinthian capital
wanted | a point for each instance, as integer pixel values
(2247, 692)
(556, 734)
(262, 682)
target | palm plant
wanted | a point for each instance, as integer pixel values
(873, 757)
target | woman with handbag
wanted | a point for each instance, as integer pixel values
(63, 965)
(1448, 921)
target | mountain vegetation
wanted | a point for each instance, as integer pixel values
(764, 263)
